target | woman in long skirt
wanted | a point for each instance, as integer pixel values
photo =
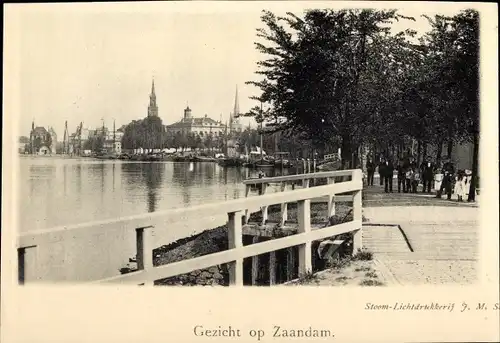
(460, 186)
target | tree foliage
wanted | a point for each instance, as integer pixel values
(346, 78)
(148, 133)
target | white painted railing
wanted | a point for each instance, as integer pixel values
(36, 259)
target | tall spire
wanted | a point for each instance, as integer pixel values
(152, 108)
(236, 112)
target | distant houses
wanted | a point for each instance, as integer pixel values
(40, 142)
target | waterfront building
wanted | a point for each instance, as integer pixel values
(42, 141)
(201, 126)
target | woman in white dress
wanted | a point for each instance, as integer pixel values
(460, 186)
(438, 180)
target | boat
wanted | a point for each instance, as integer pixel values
(179, 158)
(264, 163)
(230, 162)
(124, 157)
(280, 161)
(203, 159)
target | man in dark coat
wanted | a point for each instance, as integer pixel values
(401, 176)
(427, 169)
(370, 169)
(448, 174)
(381, 171)
(388, 175)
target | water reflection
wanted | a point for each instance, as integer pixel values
(153, 175)
(77, 191)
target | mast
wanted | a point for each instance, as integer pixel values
(80, 139)
(66, 139)
(114, 135)
(225, 141)
(32, 138)
(261, 128)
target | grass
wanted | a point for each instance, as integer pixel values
(363, 255)
(307, 278)
(371, 274)
(371, 282)
(362, 269)
(341, 278)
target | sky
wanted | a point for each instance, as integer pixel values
(96, 62)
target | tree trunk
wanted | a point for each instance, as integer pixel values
(439, 151)
(424, 154)
(346, 152)
(449, 148)
(419, 152)
(475, 169)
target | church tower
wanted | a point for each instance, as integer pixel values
(234, 123)
(152, 108)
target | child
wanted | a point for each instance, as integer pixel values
(415, 181)
(460, 186)
(468, 180)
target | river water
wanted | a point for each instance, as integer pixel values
(63, 191)
(55, 192)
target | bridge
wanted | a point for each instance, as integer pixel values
(61, 253)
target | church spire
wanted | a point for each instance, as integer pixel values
(152, 108)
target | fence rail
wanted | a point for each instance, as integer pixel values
(36, 260)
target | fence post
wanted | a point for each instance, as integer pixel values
(272, 268)
(235, 240)
(290, 263)
(284, 206)
(357, 211)
(304, 221)
(27, 264)
(331, 198)
(304, 166)
(255, 263)
(308, 166)
(263, 209)
(247, 212)
(144, 250)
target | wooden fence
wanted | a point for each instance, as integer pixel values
(34, 247)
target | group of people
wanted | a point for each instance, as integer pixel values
(409, 176)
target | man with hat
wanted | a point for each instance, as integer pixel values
(448, 171)
(427, 171)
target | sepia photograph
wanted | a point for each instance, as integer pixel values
(322, 147)
(262, 170)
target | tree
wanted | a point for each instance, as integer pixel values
(318, 68)
(209, 141)
(148, 133)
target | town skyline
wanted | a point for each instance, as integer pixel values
(92, 67)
